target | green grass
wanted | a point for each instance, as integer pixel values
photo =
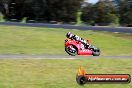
(33, 40)
(30, 73)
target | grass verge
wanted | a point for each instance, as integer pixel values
(42, 73)
(33, 40)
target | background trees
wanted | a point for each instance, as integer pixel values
(104, 12)
(48, 10)
(63, 10)
(125, 11)
(108, 11)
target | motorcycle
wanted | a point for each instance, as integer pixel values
(74, 48)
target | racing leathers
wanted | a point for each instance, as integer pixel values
(77, 38)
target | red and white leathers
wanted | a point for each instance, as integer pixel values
(77, 38)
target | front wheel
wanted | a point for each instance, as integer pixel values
(71, 50)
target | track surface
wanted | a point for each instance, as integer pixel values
(23, 56)
(66, 26)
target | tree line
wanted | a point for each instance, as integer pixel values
(107, 11)
(104, 12)
(42, 10)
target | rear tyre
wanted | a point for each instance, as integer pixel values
(96, 52)
(71, 50)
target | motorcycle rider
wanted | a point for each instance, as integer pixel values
(77, 38)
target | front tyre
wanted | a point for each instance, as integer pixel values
(71, 50)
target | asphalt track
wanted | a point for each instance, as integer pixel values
(23, 56)
(65, 26)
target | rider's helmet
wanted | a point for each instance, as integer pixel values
(69, 35)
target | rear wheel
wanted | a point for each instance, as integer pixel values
(71, 50)
(96, 52)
